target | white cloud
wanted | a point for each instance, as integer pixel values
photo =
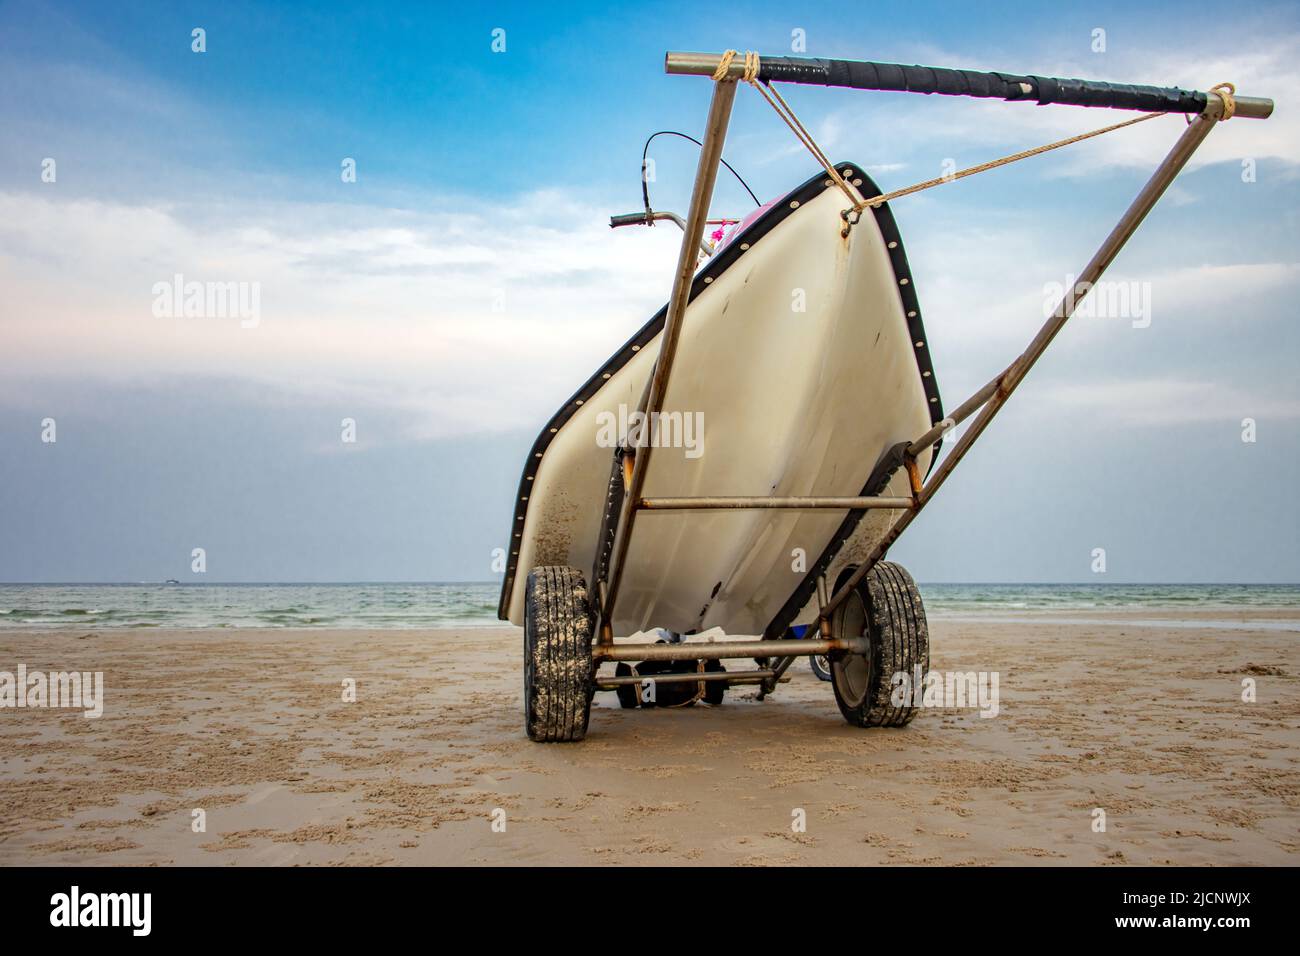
(392, 307)
(373, 305)
(1155, 402)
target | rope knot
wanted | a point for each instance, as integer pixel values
(752, 65)
(1228, 93)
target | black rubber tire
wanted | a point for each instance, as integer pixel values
(715, 691)
(820, 666)
(887, 607)
(558, 674)
(629, 695)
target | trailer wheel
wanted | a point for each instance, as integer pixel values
(821, 666)
(558, 674)
(886, 608)
(629, 695)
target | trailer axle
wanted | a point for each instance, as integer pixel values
(744, 677)
(723, 650)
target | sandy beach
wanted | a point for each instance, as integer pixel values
(1139, 714)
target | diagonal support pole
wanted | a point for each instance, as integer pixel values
(995, 394)
(706, 175)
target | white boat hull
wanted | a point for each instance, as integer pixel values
(802, 364)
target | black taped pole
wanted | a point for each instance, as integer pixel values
(1011, 87)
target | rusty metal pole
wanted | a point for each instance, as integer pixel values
(994, 395)
(706, 174)
(726, 650)
(799, 503)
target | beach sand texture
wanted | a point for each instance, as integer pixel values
(1145, 722)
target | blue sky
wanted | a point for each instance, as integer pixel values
(455, 293)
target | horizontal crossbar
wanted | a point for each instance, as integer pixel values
(725, 503)
(722, 650)
(731, 677)
(1011, 87)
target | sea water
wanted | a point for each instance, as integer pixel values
(423, 605)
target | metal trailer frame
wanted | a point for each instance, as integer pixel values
(1205, 110)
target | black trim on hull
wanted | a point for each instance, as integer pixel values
(723, 260)
(885, 469)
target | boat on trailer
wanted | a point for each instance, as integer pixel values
(744, 462)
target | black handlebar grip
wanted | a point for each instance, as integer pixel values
(628, 219)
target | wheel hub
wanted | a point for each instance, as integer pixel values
(851, 672)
